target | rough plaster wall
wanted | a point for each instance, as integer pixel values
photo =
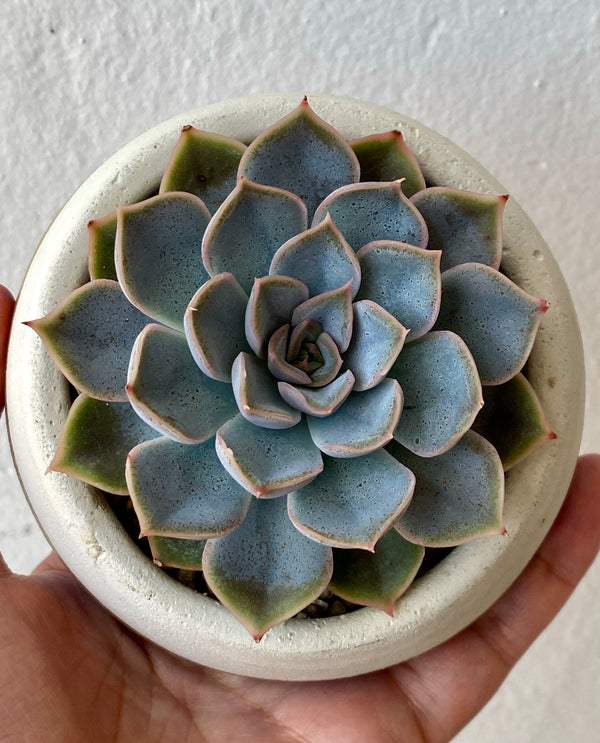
(514, 83)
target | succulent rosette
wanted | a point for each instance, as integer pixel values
(282, 357)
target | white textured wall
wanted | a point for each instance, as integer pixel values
(514, 83)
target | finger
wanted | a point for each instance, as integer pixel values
(449, 684)
(4, 569)
(52, 562)
(7, 306)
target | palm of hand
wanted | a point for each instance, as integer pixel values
(71, 672)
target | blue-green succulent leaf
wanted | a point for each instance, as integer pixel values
(377, 339)
(318, 401)
(378, 578)
(465, 226)
(385, 157)
(404, 280)
(101, 252)
(497, 319)
(276, 359)
(95, 441)
(157, 254)
(257, 394)
(89, 335)
(321, 258)
(272, 301)
(442, 393)
(365, 212)
(204, 164)
(185, 554)
(365, 422)
(303, 154)
(214, 325)
(332, 362)
(512, 420)
(248, 228)
(333, 311)
(266, 571)
(354, 501)
(182, 491)
(458, 495)
(167, 389)
(266, 461)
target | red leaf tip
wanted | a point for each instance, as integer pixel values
(552, 435)
(305, 101)
(505, 197)
(186, 128)
(504, 531)
(544, 305)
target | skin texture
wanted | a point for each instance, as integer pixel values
(70, 672)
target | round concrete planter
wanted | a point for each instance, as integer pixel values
(87, 535)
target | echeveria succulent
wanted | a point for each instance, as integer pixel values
(283, 366)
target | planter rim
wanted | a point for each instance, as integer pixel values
(87, 535)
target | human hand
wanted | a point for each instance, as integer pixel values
(70, 672)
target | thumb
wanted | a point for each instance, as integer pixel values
(7, 306)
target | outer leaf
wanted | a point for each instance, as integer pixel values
(404, 280)
(272, 301)
(333, 311)
(266, 571)
(95, 441)
(90, 335)
(248, 228)
(354, 501)
(268, 462)
(385, 157)
(465, 226)
(376, 342)
(321, 258)
(167, 389)
(200, 502)
(257, 395)
(458, 495)
(365, 212)
(365, 422)
(158, 256)
(497, 319)
(379, 578)
(512, 420)
(442, 393)
(204, 164)
(303, 154)
(214, 324)
(321, 401)
(185, 554)
(101, 254)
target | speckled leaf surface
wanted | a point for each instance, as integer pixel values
(247, 229)
(265, 461)
(185, 554)
(321, 258)
(377, 578)
(204, 164)
(333, 311)
(377, 339)
(497, 319)
(168, 390)
(385, 157)
(365, 422)
(257, 395)
(458, 495)
(512, 420)
(182, 491)
(90, 335)
(95, 441)
(319, 401)
(365, 212)
(304, 155)
(465, 226)
(404, 280)
(158, 254)
(101, 252)
(266, 571)
(354, 501)
(442, 393)
(271, 304)
(214, 325)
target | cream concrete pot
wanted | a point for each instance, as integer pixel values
(87, 535)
